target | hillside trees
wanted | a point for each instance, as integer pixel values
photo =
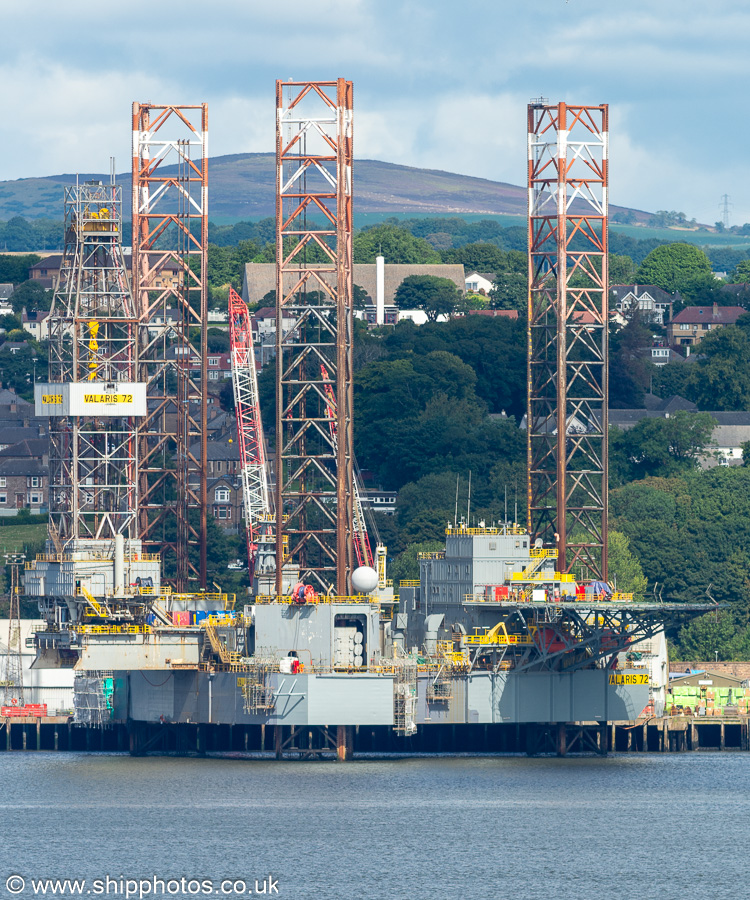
(396, 244)
(675, 267)
(721, 379)
(660, 447)
(434, 295)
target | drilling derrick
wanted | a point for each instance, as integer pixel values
(314, 470)
(253, 467)
(93, 332)
(94, 401)
(170, 235)
(568, 318)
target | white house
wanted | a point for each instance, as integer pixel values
(477, 283)
(651, 301)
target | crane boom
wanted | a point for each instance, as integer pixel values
(361, 539)
(253, 466)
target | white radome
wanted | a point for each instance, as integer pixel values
(364, 580)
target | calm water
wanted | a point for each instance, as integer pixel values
(675, 826)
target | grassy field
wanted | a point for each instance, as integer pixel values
(702, 238)
(22, 538)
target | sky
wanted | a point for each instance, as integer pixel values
(440, 84)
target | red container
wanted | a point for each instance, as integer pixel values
(182, 619)
(501, 592)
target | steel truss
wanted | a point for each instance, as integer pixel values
(314, 471)
(564, 638)
(253, 466)
(93, 338)
(170, 236)
(568, 339)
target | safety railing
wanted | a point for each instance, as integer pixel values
(509, 529)
(320, 599)
(564, 577)
(86, 555)
(110, 629)
(433, 554)
(542, 553)
(409, 582)
(502, 639)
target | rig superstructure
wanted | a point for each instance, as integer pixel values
(504, 626)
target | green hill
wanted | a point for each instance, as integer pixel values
(242, 186)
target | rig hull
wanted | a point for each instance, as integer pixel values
(367, 699)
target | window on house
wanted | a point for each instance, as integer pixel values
(3, 482)
(213, 376)
(223, 512)
(222, 495)
(34, 481)
(213, 360)
(684, 326)
(3, 498)
(36, 499)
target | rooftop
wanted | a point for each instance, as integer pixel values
(720, 315)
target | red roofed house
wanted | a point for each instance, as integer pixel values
(694, 322)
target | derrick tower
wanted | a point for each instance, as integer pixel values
(170, 235)
(314, 468)
(94, 395)
(568, 317)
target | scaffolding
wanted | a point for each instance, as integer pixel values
(314, 472)
(170, 237)
(440, 688)
(405, 697)
(93, 693)
(568, 337)
(257, 689)
(93, 395)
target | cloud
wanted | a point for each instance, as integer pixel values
(437, 83)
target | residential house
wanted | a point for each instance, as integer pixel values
(224, 485)
(225, 502)
(6, 292)
(36, 323)
(379, 501)
(478, 283)
(653, 303)
(47, 271)
(24, 477)
(693, 323)
(731, 430)
(660, 354)
(222, 457)
(391, 314)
